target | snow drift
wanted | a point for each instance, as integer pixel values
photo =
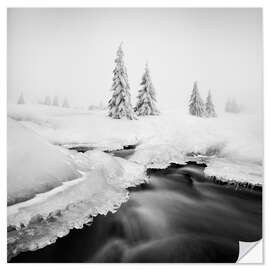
(33, 165)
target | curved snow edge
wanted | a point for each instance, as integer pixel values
(39, 222)
(241, 173)
(238, 184)
(41, 232)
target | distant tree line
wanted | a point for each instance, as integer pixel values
(232, 106)
(47, 101)
(55, 102)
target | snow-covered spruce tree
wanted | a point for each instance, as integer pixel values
(21, 99)
(120, 103)
(65, 103)
(55, 101)
(196, 105)
(146, 104)
(209, 106)
(47, 100)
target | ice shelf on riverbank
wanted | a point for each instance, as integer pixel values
(236, 171)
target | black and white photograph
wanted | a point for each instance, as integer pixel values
(134, 135)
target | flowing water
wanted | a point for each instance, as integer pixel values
(179, 217)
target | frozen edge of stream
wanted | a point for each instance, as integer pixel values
(76, 215)
(38, 222)
(249, 184)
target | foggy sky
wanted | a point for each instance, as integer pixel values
(70, 53)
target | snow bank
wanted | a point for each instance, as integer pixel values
(160, 138)
(38, 222)
(33, 165)
(117, 171)
(157, 156)
(38, 114)
(76, 127)
(234, 170)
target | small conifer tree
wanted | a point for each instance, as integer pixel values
(146, 104)
(196, 105)
(55, 101)
(47, 100)
(120, 103)
(209, 106)
(232, 106)
(65, 103)
(21, 99)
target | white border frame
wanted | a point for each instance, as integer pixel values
(132, 3)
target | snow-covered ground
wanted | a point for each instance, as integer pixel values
(39, 221)
(34, 165)
(173, 136)
(52, 190)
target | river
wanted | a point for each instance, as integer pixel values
(180, 216)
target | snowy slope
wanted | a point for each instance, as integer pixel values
(34, 165)
(172, 136)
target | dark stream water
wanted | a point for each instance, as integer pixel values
(179, 217)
